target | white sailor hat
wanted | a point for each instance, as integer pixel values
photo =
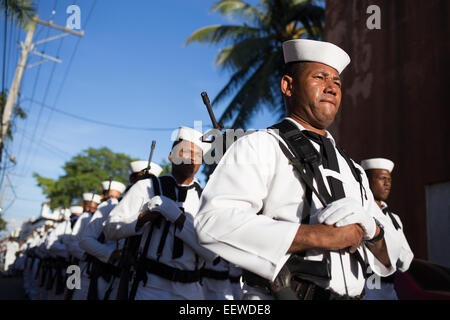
(137, 166)
(91, 197)
(194, 136)
(49, 222)
(315, 51)
(377, 163)
(67, 212)
(115, 185)
(76, 209)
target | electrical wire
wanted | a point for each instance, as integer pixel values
(107, 124)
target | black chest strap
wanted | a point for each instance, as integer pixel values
(306, 160)
(386, 211)
(168, 187)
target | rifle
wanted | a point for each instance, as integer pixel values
(149, 164)
(205, 98)
(128, 258)
(216, 126)
(109, 188)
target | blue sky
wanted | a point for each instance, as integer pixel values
(131, 68)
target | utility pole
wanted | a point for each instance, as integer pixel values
(3, 195)
(27, 47)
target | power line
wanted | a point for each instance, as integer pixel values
(4, 48)
(47, 123)
(48, 146)
(107, 124)
(39, 113)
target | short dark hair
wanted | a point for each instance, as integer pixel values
(294, 69)
(176, 143)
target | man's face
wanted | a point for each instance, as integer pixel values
(90, 206)
(315, 94)
(136, 176)
(113, 194)
(186, 158)
(380, 183)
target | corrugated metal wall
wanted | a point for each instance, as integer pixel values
(396, 97)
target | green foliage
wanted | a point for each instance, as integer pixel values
(253, 51)
(84, 173)
(18, 112)
(20, 12)
(166, 166)
(2, 224)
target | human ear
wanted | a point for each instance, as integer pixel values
(286, 85)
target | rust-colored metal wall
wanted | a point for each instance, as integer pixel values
(396, 97)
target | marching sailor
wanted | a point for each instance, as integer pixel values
(138, 169)
(163, 210)
(56, 247)
(102, 254)
(378, 172)
(288, 205)
(218, 282)
(90, 204)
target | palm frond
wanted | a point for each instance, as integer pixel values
(222, 33)
(20, 11)
(239, 8)
(240, 54)
(254, 93)
(236, 80)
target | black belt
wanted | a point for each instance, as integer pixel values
(304, 289)
(170, 273)
(214, 274)
(97, 268)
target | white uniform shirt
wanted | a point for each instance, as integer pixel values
(55, 244)
(73, 241)
(11, 248)
(387, 289)
(215, 289)
(89, 237)
(255, 174)
(406, 254)
(121, 223)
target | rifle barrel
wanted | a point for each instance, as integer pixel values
(151, 155)
(211, 113)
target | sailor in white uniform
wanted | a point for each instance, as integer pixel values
(379, 171)
(55, 244)
(102, 255)
(31, 286)
(45, 271)
(163, 210)
(138, 169)
(90, 203)
(217, 282)
(11, 247)
(254, 209)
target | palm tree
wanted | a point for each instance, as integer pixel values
(253, 51)
(19, 11)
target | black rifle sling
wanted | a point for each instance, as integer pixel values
(157, 192)
(306, 154)
(302, 155)
(168, 185)
(394, 221)
(141, 274)
(178, 246)
(94, 271)
(357, 174)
